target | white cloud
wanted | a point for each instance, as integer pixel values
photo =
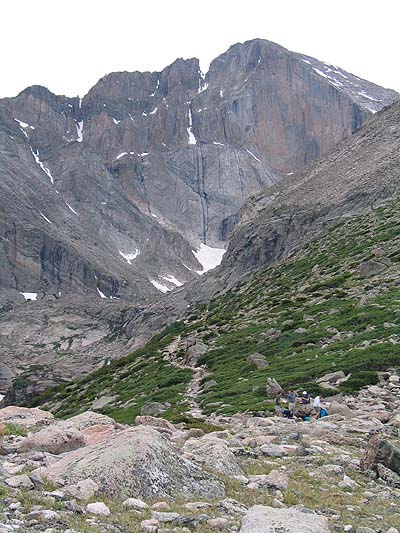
(125, 35)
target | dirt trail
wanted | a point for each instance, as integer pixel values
(199, 372)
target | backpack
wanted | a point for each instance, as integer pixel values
(323, 412)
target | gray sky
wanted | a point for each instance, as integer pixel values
(67, 46)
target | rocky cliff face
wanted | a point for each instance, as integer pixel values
(113, 191)
(108, 196)
(358, 176)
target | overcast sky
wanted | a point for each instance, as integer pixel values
(68, 45)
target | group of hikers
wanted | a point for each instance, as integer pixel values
(300, 406)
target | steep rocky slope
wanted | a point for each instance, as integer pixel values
(333, 306)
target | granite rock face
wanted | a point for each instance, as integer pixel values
(358, 176)
(112, 191)
(138, 461)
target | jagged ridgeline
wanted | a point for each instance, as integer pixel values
(333, 305)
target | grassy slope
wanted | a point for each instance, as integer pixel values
(286, 314)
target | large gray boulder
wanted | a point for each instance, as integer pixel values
(138, 462)
(336, 408)
(380, 451)
(273, 389)
(85, 420)
(332, 377)
(24, 416)
(213, 453)
(263, 519)
(258, 360)
(53, 440)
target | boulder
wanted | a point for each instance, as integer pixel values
(372, 267)
(380, 451)
(135, 503)
(98, 508)
(137, 461)
(24, 416)
(19, 482)
(103, 401)
(154, 422)
(195, 352)
(53, 440)
(97, 433)
(273, 388)
(83, 490)
(209, 384)
(85, 420)
(214, 453)
(272, 450)
(263, 519)
(258, 360)
(152, 409)
(274, 480)
(336, 408)
(332, 377)
(395, 420)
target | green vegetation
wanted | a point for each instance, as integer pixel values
(311, 315)
(15, 429)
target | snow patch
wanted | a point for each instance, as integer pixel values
(321, 73)
(154, 111)
(159, 286)
(365, 95)
(208, 257)
(218, 144)
(122, 154)
(24, 124)
(192, 138)
(172, 279)
(116, 121)
(45, 169)
(29, 296)
(71, 208)
(101, 294)
(252, 155)
(130, 257)
(221, 93)
(79, 131)
(203, 88)
(44, 216)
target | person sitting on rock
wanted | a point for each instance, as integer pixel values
(305, 398)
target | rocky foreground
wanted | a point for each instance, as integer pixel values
(239, 473)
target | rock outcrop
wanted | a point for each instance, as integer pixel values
(139, 462)
(264, 519)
